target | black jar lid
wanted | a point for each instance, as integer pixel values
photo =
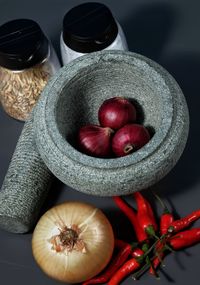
(89, 27)
(22, 44)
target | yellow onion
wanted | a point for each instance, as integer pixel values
(73, 242)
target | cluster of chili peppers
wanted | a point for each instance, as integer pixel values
(153, 241)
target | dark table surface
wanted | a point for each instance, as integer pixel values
(167, 32)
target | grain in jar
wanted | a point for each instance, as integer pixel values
(27, 61)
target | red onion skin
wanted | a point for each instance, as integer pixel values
(129, 139)
(116, 112)
(95, 141)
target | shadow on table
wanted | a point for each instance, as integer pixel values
(185, 69)
(121, 226)
(53, 195)
(148, 28)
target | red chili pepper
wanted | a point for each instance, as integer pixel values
(145, 214)
(166, 218)
(185, 239)
(156, 263)
(115, 264)
(165, 221)
(178, 241)
(127, 268)
(183, 223)
(131, 215)
(146, 207)
(151, 213)
(137, 252)
(120, 243)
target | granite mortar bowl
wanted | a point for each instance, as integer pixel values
(72, 99)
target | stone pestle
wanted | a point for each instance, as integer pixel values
(25, 186)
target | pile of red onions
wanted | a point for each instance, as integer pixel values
(118, 133)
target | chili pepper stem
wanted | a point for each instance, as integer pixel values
(163, 236)
(169, 248)
(156, 237)
(145, 247)
(166, 246)
(163, 205)
(158, 255)
(148, 261)
(170, 229)
(140, 272)
(134, 245)
(151, 232)
(155, 273)
(160, 259)
(141, 258)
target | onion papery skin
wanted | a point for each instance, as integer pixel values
(95, 141)
(74, 266)
(129, 138)
(116, 112)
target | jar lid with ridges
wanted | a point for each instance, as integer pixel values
(22, 44)
(89, 27)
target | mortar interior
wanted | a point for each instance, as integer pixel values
(82, 96)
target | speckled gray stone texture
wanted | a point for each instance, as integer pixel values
(25, 186)
(72, 99)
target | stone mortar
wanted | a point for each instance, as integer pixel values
(72, 99)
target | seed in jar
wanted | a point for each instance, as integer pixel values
(19, 91)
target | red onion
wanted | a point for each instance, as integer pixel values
(95, 141)
(129, 139)
(116, 112)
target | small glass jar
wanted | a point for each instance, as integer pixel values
(90, 27)
(27, 61)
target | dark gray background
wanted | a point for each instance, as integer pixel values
(168, 32)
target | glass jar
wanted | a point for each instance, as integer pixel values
(90, 27)
(27, 61)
